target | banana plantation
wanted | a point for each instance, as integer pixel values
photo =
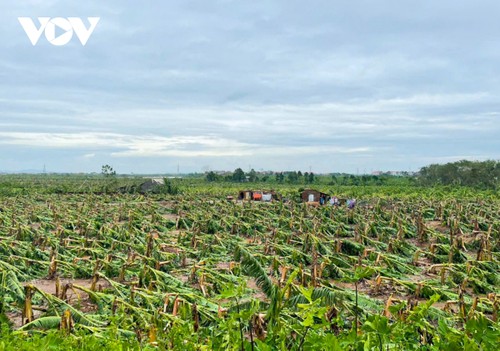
(408, 268)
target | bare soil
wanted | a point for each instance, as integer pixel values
(75, 297)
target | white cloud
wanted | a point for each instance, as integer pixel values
(159, 146)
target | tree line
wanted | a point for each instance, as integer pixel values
(298, 177)
(480, 174)
(239, 176)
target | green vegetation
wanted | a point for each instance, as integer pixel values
(108, 171)
(307, 178)
(83, 266)
(484, 174)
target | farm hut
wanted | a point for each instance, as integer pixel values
(151, 185)
(267, 197)
(245, 195)
(259, 195)
(311, 195)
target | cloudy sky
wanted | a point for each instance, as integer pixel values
(332, 86)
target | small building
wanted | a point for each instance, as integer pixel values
(152, 185)
(259, 195)
(311, 196)
(245, 195)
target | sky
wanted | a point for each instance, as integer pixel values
(326, 86)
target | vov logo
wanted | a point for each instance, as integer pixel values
(65, 26)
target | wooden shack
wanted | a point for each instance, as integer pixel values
(258, 195)
(312, 196)
(152, 185)
(245, 195)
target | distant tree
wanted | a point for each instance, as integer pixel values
(292, 177)
(365, 179)
(354, 180)
(311, 178)
(252, 176)
(238, 175)
(212, 176)
(280, 177)
(108, 171)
